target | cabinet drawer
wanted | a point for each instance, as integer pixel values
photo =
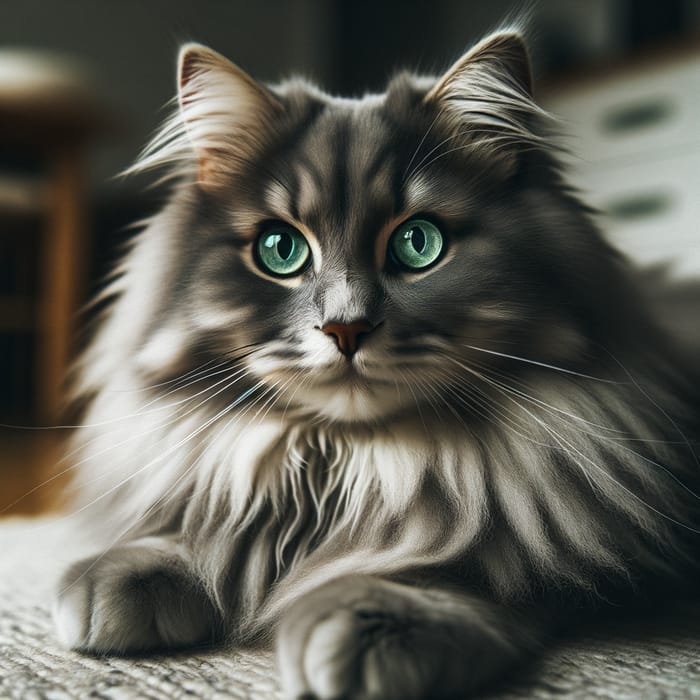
(651, 211)
(656, 110)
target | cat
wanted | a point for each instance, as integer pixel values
(374, 389)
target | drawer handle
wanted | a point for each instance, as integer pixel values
(639, 206)
(638, 115)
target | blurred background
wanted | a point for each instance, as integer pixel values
(83, 85)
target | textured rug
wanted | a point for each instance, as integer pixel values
(655, 658)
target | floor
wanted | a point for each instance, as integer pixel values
(639, 655)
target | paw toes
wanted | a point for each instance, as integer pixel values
(131, 602)
(71, 615)
(330, 661)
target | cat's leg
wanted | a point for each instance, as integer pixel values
(137, 597)
(362, 637)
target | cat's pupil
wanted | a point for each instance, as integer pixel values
(417, 239)
(285, 246)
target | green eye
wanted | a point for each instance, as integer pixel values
(416, 244)
(282, 251)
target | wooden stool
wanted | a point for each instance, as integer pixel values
(47, 116)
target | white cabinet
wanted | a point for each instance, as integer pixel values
(634, 138)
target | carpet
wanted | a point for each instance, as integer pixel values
(655, 658)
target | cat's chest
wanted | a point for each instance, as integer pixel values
(401, 481)
(332, 499)
(391, 461)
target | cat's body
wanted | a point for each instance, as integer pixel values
(396, 470)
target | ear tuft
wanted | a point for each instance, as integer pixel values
(486, 96)
(188, 61)
(503, 55)
(227, 115)
(510, 50)
(224, 120)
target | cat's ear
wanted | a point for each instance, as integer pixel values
(227, 115)
(502, 57)
(486, 95)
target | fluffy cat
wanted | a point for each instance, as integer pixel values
(373, 387)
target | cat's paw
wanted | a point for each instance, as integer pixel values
(135, 598)
(359, 638)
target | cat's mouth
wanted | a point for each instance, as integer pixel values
(347, 371)
(352, 393)
(353, 376)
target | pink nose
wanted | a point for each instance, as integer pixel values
(347, 335)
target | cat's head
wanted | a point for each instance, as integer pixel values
(366, 255)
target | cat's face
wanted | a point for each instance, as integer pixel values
(366, 252)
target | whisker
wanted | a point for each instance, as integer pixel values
(415, 153)
(150, 403)
(488, 403)
(235, 418)
(115, 420)
(111, 421)
(163, 396)
(297, 374)
(417, 403)
(623, 435)
(131, 476)
(550, 407)
(569, 447)
(201, 369)
(544, 364)
(498, 137)
(147, 513)
(170, 450)
(661, 410)
(239, 374)
(238, 377)
(418, 167)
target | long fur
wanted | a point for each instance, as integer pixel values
(544, 440)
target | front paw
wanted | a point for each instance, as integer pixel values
(135, 598)
(361, 638)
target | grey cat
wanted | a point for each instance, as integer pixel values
(373, 386)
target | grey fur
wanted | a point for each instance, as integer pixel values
(517, 428)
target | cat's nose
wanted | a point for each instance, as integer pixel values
(347, 335)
